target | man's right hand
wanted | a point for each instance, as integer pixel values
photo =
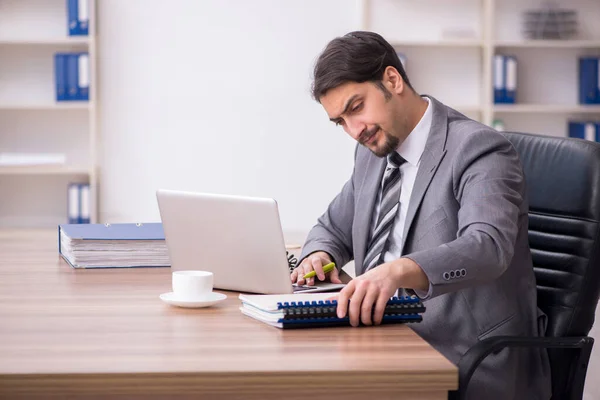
(314, 262)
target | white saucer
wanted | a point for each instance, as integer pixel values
(172, 299)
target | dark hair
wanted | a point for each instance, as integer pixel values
(355, 57)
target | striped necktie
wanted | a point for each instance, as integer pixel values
(389, 204)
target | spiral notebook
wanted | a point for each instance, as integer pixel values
(306, 310)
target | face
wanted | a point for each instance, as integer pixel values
(362, 109)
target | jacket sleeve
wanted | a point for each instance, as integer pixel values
(489, 185)
(333, 231)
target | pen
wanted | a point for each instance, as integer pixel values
(326, 269)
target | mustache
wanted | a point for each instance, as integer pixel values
(367, 134)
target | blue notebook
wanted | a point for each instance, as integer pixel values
(113, 245)
(311, 310)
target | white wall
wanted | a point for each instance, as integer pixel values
(214, 96)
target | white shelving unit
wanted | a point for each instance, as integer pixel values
(450, 54)
(31, 32)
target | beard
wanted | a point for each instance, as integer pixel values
(389, 145)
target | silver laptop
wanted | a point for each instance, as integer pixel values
(239, 239)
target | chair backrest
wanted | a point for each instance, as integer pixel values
(563, 181)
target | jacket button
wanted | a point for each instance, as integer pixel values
(463, 272)
(446, 276)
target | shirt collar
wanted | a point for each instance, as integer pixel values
(412, 148)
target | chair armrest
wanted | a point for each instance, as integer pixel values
(476, 354)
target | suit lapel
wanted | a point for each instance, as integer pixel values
(430, 160)
(365, 207)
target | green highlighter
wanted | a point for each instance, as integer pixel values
(326, 269)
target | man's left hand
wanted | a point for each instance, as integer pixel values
(370, 292)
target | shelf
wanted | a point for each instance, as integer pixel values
(43, 170)
(75, 40)
(67, 105)
(439, 43)
(546, 108)
(557, 44)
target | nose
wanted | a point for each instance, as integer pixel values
(354, 128)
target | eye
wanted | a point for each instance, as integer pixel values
(339, 122)
(357, 107)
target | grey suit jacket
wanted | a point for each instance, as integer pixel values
(466, 227)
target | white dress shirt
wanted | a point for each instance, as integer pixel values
(411, 150)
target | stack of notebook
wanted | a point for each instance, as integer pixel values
(113, 245)
(306, 310)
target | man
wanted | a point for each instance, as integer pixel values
(436, 206)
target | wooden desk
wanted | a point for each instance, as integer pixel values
(105, 333)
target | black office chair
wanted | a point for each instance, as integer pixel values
(563, 180)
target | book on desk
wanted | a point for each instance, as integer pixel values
(309, 310)
(113, 245)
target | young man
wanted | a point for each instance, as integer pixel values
(436, 206)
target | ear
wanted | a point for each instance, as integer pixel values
(392, 80)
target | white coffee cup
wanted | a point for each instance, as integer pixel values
(192, 284)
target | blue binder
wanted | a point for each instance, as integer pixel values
(576, 130)
(73, 203)
(499, 79)
(84, 203)
(60, 76)
(510, 70)
(78, 16)
(589, 131)
(83, 76)
(71, 77)
(589, 80)
(72, 18)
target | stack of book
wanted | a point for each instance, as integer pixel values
(307, 310)
(113, 245)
